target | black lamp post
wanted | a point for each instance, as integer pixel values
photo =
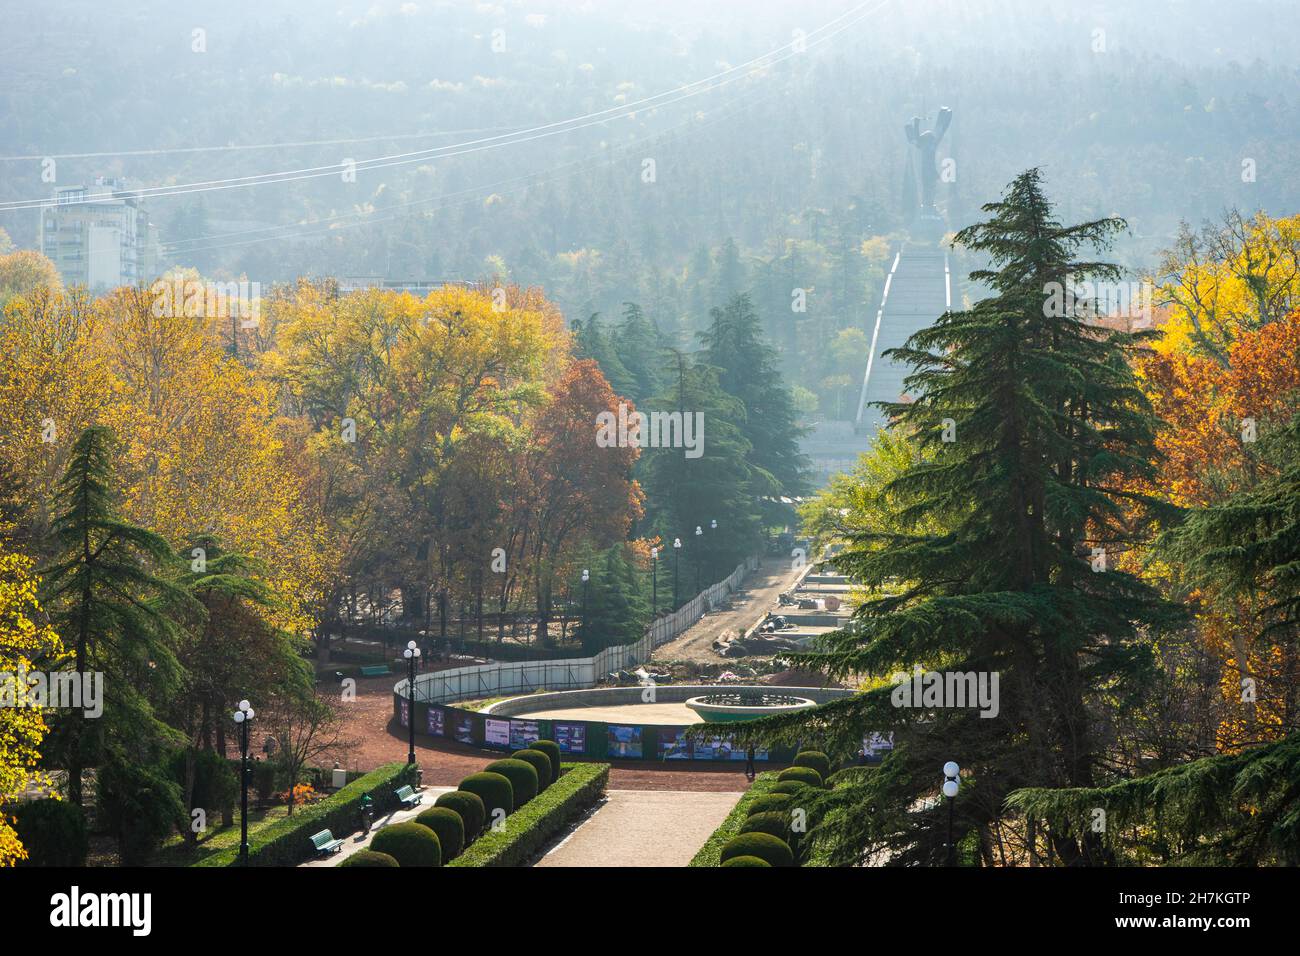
(699, 532)
(677, 560)
(951, 784)
(243, 717)
(654, 582)
(412, 654)
(586, 593)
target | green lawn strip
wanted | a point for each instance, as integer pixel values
(530, 827)
(287, 841)
(711, 853)
(174, 852)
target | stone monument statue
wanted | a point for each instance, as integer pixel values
(929, 221)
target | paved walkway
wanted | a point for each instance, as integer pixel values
(359, 841)
(642, 828)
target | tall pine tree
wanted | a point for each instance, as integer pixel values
(1002, 557)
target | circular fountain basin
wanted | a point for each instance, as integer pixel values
(745, 706)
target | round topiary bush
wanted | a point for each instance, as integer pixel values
(746, 861)
(522, 777)
(410, 844)
(774, 850)
(540, 762)
(552, 751)
(805, 774)
(768, 802)
(791, 787)
(495, 790)
(369, 858)
(469, 807)
(772, 821)
(449, 828)
(53, 832)
(816, 760)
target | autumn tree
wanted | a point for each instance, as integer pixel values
(26, 645)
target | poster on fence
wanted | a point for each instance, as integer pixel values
(496, 733)
(715, 748)
(436, 722)
(523, 734)
(570, 738)
(624, 741)
(673, 744)
(465, 728)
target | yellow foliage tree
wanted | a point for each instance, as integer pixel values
(25, 645)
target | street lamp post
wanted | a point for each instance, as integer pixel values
(243, 717)
(698, 556)
(654, 582)
(677, 560)
(951, 784)
(586, 593)
(412, 655)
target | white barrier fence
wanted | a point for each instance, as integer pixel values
(492, 680)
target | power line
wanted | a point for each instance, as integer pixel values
(794, 48)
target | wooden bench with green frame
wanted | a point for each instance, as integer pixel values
(408, 797)
(325, 843)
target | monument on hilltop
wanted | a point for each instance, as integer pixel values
(929, 223)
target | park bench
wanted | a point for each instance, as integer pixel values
(374, 670)
(324, 843)
(408, 797)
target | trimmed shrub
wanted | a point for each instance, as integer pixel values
(805, 774)
(790, 787)
(53, 832)
(530, 828)
(539, 762)
(447, 826)
(710, 855)
(773, 801)
(814, 759)
(746, 861)
(773, 821)
(410, 844)
(216, 781)
(766, 847)
(469, 807)
(369, 858)
(552, 751)
(522, 777)
(495, 790)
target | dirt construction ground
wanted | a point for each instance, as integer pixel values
(748, 606)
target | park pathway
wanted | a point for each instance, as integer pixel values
(642, 828)
(357, 840)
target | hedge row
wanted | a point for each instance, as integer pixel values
(287, 842)
(528, 829)
(711, 853)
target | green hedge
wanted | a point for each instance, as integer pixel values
(469, 806)
(53, 832)
(804, 774)
(522, 776)
(552, 751)
(410, 844)
(370, 858)
(746, 861)
(814, 759)
(711, 853)
(496, 792)
(540, 762)
(770, 802)
(529, 828)
(287, 842)
(449, 828)
(762, 845)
